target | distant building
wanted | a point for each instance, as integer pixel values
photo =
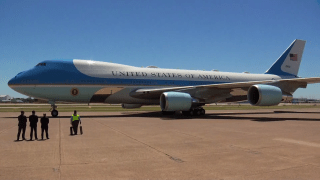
(305, 100)
(16, 101)
(5, 98)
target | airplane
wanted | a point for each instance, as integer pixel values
(173, 89)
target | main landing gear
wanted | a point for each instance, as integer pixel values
(54, 112)
(194, 112)
(168, 112)
(198, 111)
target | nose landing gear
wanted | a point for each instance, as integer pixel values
(54, 112)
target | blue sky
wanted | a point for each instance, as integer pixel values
(228, 35)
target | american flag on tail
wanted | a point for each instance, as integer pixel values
(293, 57)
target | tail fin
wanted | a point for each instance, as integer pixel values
(289, 62)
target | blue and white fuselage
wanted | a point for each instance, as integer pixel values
(55, 79)
(174, 89)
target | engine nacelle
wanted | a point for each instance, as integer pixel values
(175, 101)
(131, 106)
(264, 95)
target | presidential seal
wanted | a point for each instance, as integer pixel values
(74, 91)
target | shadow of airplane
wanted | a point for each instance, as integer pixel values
(211, 116)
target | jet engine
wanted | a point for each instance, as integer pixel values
(175, 101)
(264, 95)
(130, 106)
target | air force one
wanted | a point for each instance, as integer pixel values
(173, 89)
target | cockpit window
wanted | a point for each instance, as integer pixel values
(41, 64)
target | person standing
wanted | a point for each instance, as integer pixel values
(44, 126)
(22, 126)
(74, 121)
(33, 119)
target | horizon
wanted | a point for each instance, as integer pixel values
(229, 36)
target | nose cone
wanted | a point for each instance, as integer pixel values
(15, 80)
(11, 82)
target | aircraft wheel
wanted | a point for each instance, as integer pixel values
(54, 113)
(191, 112)
(197, 112)
(202, 112)
(185, 113)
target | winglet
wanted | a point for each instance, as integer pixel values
(289, 62)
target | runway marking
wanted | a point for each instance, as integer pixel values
(305, 143)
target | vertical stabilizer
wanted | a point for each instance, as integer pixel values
(289, 62)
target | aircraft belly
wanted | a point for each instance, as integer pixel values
(101, 95)
(123, 96)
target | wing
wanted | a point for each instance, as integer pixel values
(236, 91)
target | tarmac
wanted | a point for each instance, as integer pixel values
(247, 144)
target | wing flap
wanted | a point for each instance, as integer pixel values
(304, 80)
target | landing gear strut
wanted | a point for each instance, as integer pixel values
(198, 111)
(54, 112)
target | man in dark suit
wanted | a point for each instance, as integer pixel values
(33, 119)
(44, 126)
(22, 125)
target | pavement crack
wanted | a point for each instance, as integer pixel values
(257, 152)
(187, 134)
(248, 150)
(7, 129)
(148, 145)
(276, 170)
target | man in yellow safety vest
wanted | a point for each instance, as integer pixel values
(75, 119)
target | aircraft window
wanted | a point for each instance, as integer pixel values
(41, 64)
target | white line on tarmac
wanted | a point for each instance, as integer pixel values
(305, 143)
